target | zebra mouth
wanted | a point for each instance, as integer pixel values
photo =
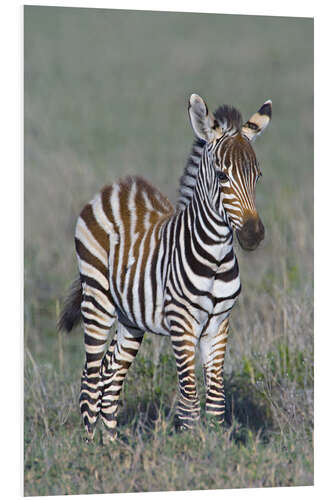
(251, 234)
(245, 245)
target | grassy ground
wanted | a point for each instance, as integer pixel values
(102, 100)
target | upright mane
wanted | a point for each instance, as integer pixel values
(188, 180)
(229, 118)
(231, 121)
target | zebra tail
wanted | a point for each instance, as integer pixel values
(71, 312)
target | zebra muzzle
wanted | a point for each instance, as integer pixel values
(251, 234)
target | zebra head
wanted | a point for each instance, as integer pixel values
(233, 164)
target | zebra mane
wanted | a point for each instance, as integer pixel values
(230, 120)
(189, 178)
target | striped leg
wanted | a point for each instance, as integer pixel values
(212, 348)
(116, 363)
(188, 408)
(98, 316)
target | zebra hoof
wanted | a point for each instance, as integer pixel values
(109, 437)
(90, 428)
(214, 422)
(185, 425)
(88, 440)
(89, 435)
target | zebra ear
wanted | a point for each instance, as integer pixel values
(203, 122)
(258, 122)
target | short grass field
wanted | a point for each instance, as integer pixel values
(106, 95)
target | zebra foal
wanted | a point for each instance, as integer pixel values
(169, 271)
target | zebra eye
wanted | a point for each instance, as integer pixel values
(222, 176)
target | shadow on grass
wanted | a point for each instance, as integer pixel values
(247, 405)
(247, 410)
(146, 414)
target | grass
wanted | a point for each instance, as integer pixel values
(266, 441)
(98, 104)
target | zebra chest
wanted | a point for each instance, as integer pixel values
(206, 299)
(220, 296)
(226, 284)
(226, 287)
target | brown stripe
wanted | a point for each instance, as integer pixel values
(125, 216)
(99, 234)
(91, 259)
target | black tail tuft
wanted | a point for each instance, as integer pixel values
(71, 313)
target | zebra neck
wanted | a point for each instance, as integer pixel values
(204, 224)
(207, 194)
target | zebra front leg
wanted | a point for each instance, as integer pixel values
(188, 408)
(212, 349)
(116, 363)
(98, 315)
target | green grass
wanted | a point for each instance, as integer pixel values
(266, 440)
(102, 100)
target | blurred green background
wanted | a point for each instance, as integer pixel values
(105, 95)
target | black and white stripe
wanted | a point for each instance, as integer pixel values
(165, 271)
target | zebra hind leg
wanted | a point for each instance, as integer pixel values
(116, 364)
(98, 316)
